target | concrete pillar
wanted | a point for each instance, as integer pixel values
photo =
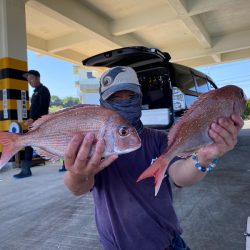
(14, 97)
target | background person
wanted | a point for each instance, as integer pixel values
(40, 102)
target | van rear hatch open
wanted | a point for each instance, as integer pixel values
(168, 88)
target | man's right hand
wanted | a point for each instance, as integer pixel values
(82, 168)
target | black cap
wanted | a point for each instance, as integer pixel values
(31, 72)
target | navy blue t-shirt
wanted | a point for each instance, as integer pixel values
(128, 215)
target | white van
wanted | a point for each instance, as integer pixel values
(168, 88)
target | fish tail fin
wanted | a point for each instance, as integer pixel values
(156, 170)
(10, 147)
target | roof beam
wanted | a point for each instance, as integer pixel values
(163, 14)
(37, 43)
(82, 18)
(232, 42)
(194, 24)
(195, 7)
(66, 41)
(216, 57)
(223, 44)
(236, 55)
(41, 46)
(72, 55)
(196, 27)
(197, 62)
(141, 20)
(226, 57)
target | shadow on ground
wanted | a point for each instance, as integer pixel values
(39, 213)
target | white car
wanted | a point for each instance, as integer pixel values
(168, 88)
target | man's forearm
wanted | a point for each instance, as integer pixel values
(78, 185)
(184, 173)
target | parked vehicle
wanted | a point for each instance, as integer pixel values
(168, 88)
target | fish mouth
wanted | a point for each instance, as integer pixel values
(128, 150)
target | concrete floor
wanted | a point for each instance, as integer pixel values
(40, 213)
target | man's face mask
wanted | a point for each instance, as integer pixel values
(129, 108)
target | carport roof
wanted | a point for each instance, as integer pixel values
(194, 32)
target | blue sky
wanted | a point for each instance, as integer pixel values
(58, 75)
(236, 73)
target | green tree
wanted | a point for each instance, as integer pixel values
(53, 109)
(56, 101)
(70, 101)
(246, 114)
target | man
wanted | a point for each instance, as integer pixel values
(128, 215)
(40, 101)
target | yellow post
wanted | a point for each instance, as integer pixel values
(14, 97)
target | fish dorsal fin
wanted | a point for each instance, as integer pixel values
(187, 114)
(45, 118)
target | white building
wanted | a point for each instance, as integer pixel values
(88, 84)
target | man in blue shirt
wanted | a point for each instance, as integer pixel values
(128, 215)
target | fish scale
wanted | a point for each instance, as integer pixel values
(191, 131)
(51, 134)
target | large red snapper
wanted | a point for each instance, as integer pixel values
(50, 134)
(191, 131)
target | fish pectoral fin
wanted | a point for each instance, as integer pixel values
(47, 155)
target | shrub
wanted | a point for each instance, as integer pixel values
(246, 114)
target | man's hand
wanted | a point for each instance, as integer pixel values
(76, 156)
(224, 135)
(82, 168)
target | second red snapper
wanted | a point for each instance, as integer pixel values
(50, 134)
(191, 131)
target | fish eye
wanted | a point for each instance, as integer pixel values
(123, 131)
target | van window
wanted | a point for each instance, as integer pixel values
(190, 84)
(155, 88)
(202, 84)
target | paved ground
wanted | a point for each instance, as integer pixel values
(39, 212)
(214, 212)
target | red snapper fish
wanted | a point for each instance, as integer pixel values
(191, 131)
(50, 134)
